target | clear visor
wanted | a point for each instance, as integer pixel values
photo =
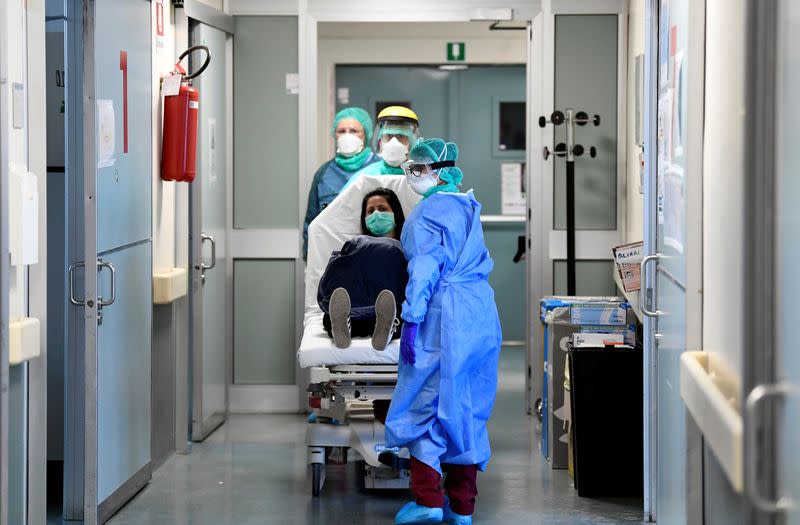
(405, 132)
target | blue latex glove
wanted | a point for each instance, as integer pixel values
(407, 339)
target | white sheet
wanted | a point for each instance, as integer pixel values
(340, 221)
(317, 349)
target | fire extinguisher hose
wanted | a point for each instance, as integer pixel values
(202, 68)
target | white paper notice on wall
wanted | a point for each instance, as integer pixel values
(23, 218)
(106, 123)
(18, 105)
(513, 189)
(343, 95)
(292, 83)
(212, 151)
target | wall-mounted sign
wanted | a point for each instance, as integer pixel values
(456, 51)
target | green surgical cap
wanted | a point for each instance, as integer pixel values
(360, 115)
(437, 150)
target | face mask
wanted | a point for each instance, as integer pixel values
(422, 184)
(394, 152)
(349, 144)
(380, 222)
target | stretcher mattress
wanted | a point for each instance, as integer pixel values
(317, 349)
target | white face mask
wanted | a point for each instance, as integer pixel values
(349, 144)
(394, 152)
(421, 185)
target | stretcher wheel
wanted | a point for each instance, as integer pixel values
(317, 478)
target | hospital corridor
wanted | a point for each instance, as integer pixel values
(367, 262)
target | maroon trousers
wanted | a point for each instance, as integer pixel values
(459, 484)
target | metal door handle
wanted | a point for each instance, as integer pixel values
(642, 274)
(103, 264)
(759, 394)
(203, 238)
(71, 273)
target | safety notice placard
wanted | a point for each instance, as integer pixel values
(513, 189)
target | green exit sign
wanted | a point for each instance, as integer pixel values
(456, 51)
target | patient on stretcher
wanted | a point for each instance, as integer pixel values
(364, 283)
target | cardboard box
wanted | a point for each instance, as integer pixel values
(628, 258)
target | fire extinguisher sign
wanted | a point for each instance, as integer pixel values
(160, 18)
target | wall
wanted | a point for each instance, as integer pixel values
(24, 46)
(424, 43)
(170, 199)
(408, 11)
(170, 225)
(634, 213)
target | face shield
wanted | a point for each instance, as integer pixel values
(407, 133)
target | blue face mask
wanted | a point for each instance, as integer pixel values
(380, 222)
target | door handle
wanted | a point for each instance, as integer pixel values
(754, 399)
(203, 238)
(71, 278)
(642, 276)
(101, 302)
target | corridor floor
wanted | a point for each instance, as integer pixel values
(253, 471)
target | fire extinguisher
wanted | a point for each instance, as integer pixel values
(179, 138)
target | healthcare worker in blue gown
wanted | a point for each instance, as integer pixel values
(450, 344)
(352, 129)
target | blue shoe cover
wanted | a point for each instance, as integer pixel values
(412, 514)
(455, 519)
(312, 417)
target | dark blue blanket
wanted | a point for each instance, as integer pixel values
(364, 267)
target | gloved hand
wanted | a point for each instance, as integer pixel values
(407, 339)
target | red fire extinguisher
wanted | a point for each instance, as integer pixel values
(179, 138)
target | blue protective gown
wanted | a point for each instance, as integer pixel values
(329, 180)
(442, 403)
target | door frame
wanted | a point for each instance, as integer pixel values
(292, 398)
(762, 71)
(4, 281)
(541, 100)
(90, 505)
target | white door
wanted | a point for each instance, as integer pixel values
(210, 334)
(581, 53)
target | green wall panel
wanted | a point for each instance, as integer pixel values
(264, 327)
(586, 80)
(265, 123)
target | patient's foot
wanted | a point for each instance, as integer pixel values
(340, 318)
(385, 314)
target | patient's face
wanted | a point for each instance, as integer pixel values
(378, 203)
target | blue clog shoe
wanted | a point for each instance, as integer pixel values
(455, 519)
(413, 514)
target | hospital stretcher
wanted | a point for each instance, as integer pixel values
(343, 383)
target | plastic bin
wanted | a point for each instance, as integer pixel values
(607, 421)
(562, 316)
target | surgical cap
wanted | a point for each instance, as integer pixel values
(435, 150)
(360, 115)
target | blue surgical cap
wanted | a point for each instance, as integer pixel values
(435, 150)
(360, 115)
